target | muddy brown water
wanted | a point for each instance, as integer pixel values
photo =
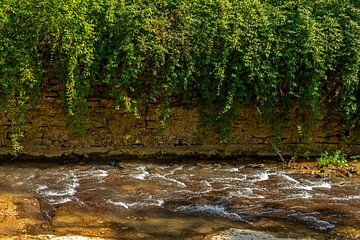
(137, 200)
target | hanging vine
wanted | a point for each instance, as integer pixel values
(292, 60)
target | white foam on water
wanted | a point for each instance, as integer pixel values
(101, 173)
(63, 195)
(159, 202)
(235, 169)
(263, 176)
(205, 183)
(40, 188)
(322, 185)
(97, 174)
(66, 192)
(190, 192)
(227, 179)
(289, 178)
(211, 209)
(119, 203)
(346, 198)
(245, 193)
(151, 202)
(30, 177)
(303, 195)
(304, 187)
(60, 200)
(314, 185)
(206, 208)
(154, 202)
(172, 172)
(141, 174)
(94, 173)
(307, 186)
(180, 184)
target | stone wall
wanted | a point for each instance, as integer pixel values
(117, 133)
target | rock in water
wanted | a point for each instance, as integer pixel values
(242, 234)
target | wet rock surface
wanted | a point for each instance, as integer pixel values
(18, 214)
(242, 234)
(201, 200)
(352, 169)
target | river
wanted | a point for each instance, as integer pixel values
(177, 200)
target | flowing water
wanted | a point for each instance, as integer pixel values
(186, 200)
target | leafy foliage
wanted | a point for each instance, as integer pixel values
(290, 59)
(338, 159)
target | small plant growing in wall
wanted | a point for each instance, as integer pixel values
(337, 159)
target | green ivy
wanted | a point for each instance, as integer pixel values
(292, 60)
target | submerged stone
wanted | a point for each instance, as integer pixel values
(243, 234)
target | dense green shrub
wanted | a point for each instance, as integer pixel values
(338, 159)
(291, 59)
